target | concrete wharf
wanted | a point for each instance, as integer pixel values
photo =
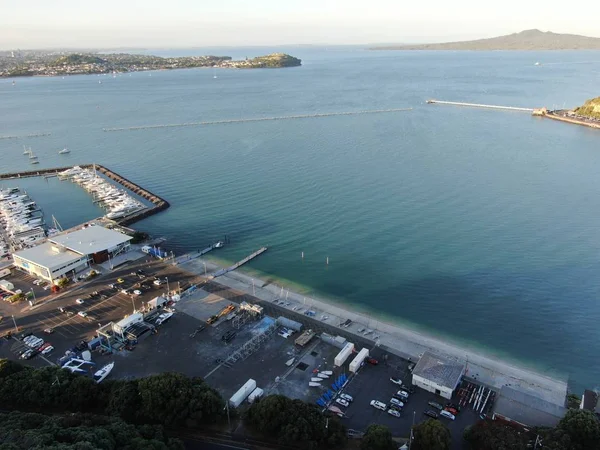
(478, 105)
(159, 203)
(220, 272)
(258, 119)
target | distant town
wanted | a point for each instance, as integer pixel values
(31, 63)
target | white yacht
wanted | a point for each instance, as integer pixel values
(64, 151)
(101, 374)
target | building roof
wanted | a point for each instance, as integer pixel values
(48, 255)
(92, 239)
(441, 370)
(527, 409)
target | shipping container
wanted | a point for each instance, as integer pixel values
(241, 395)
(344, 354)
(357, 362)
(256, 393)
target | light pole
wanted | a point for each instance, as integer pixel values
(253, 290)
(411, 430)
(133, 303)
(15, 322)
(204, 268)
(110, 262)
(168, 289)
(33, 293)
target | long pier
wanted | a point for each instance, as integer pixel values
(159, 203)
(257, 119)
(220, 272)
(31, 135)
(477, 105)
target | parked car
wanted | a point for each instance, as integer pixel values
(396, 380)
(435, 405)
(431, 413)
(341, 401)
(379, 405)
(79, 301)
(82, 314)
(453, 406)
(137, 292)
(409, 389)
(26, 354)
(396, 402)
(49, 330)
(451, 410)
(24, 334)
(158, 282)
(43, 346)
(394, 412)
(120, 280)
(47, 350)
(402, 394)
(347, 397)
(372, 361)
(447, 415)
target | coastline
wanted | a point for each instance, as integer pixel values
(573, 121)
(396, 338)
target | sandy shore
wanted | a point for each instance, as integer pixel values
(401, 341)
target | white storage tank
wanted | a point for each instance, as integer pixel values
(256, 393)
(241, 395)
(344, 354)
(357, 362)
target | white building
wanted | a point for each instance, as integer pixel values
(71, 252)
(438, 374)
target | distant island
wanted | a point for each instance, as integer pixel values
(525, 40)
(52, 64)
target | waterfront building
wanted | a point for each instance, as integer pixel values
(438, 374)
(71, 252)
(526, 410)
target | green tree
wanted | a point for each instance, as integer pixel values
(431, 435)
(583, 429)
(493, 435)
(378, 437)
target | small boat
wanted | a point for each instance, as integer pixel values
(322, 375)
(290, 362)
(316, 379)
(34, 161)
(103, 373)
(311, 384)
(537, 64)
(25, 151)
(219, 244)
(64, 151)
(327, 372)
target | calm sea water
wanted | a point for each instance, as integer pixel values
(481, 226)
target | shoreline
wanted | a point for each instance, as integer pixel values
(393, 337)
(572, 121)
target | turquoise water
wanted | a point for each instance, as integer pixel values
(479, 225)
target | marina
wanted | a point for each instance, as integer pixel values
(21, 221)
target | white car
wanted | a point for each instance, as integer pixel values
(37, 343)
(47, 350)
(79, 301)
(379, 405)
(347, 397)
(402, 394)
(137, 292)
(395, 380)
(341, 401)
(447, 415)
(396, 402)
(82, 314)
(30, 338)
(158, 282)
(393, 412)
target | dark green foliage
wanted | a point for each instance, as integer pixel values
(293, 421)
(493, 435)
(573, 401)
(167, 399)
(583, 429)
(78, 432)
(139, 236)
(431, 435)
(378, 437)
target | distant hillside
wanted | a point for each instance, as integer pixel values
(590, 108)
(525, 40)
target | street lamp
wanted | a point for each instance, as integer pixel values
(15, 322)
(204, 268)
(34, 299)
(168, 289)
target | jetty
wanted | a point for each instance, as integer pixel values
(159, 203)
(478, 105)
(190, 256)
(221, 272)
(257, 119)
(32, 135)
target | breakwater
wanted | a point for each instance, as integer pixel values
(572, 120)
(159, 204)
(32, 135)
(257, 119)
(478, 105)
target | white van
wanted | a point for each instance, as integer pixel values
(447, 415)
(402, 394)
(379, 405)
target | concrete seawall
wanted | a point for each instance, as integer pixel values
(159, 203)
(574, 121)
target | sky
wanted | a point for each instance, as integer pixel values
(196, 23)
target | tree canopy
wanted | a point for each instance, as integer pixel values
(295, 421)
(378, 437)
(493, 435)
(431, 435)
(78, 432)
(583, 429)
